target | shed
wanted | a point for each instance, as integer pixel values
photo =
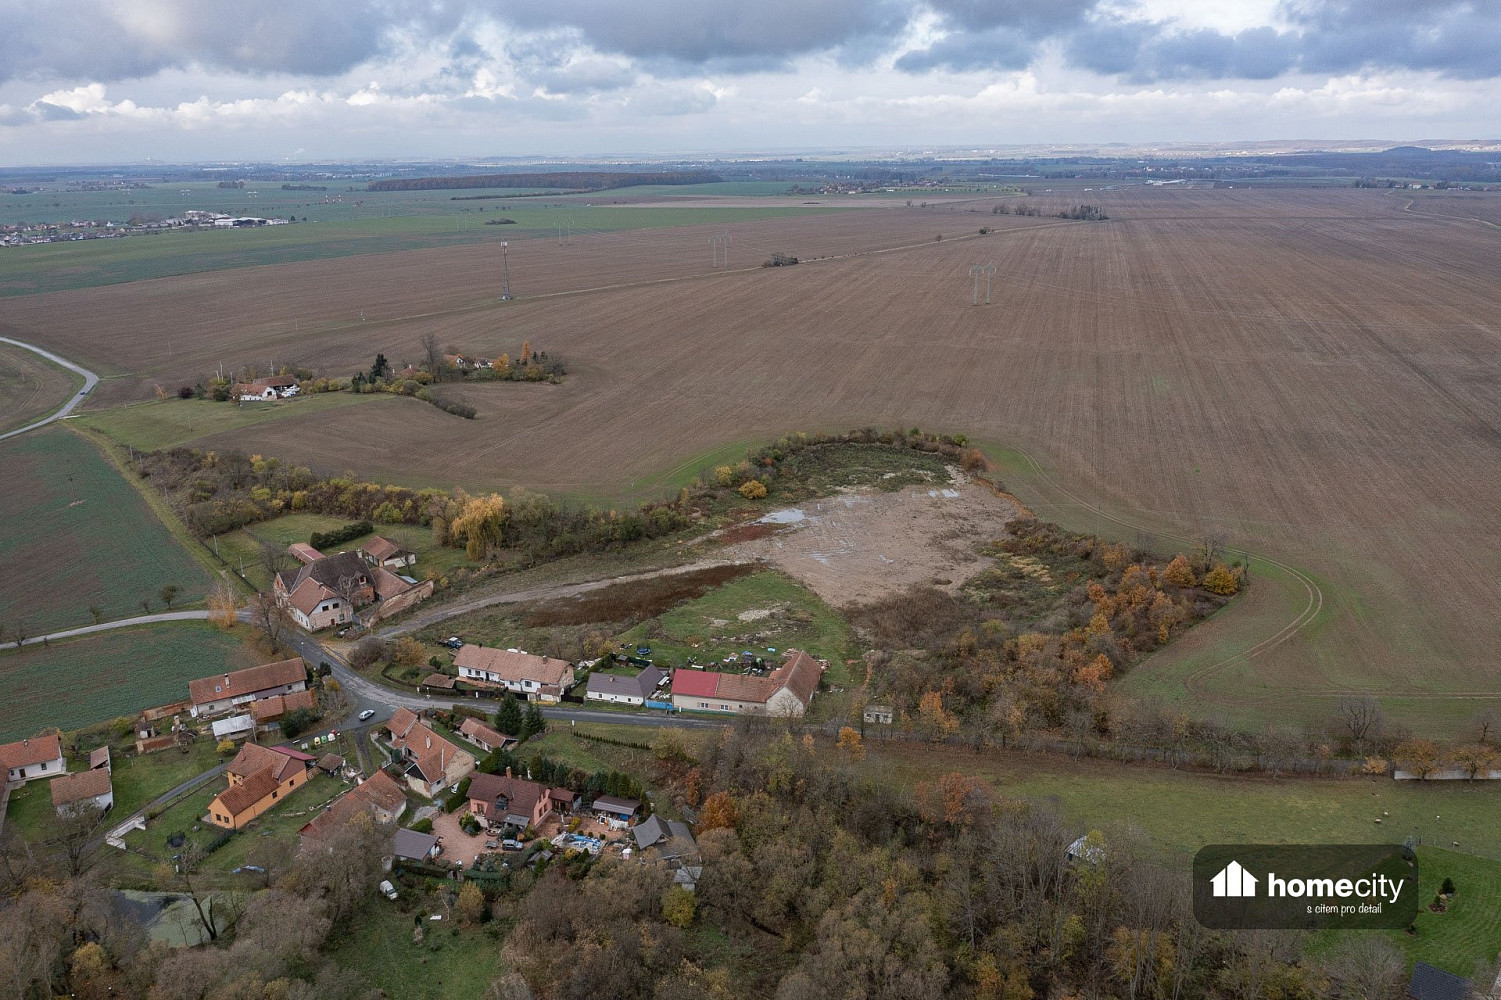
(330, 763)
(622, 809)
(409, 845)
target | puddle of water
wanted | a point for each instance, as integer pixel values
(791, 515)
(946, 494)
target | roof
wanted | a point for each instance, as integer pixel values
(436, 680)
(388, 584)
(640, 686)
(380, 549)
(413, 845)
(654, 831)
(329, 571)
(304, 552)
(609, 803)
(520, 796)
(799, 674)
(512, 666)
(278, 705)
(248, 681)
(254, 758)
(99, 758)
(307, 595)
(380, 791)
(401, 722)
(330, 762)
(430, 752)
(32, 751)
(695, 683)
(475, 729)
(237, 798)
(1429, 983)
(80, 785)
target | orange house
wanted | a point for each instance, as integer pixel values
(259, 778)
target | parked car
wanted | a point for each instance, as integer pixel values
(512, 845)
(387, 889)
(454, 642)
(367, 713)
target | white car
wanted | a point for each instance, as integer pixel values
(366, 714)
(388, 890)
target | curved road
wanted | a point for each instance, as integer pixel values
(89, 381)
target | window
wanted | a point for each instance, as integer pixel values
(273, 795)
(44, 765)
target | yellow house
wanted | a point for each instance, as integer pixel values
(259, 778)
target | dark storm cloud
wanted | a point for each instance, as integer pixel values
(108, 40)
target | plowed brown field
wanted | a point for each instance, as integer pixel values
(1310, 374)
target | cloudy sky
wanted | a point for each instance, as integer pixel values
(124, 80)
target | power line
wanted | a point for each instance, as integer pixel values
(505, 260)
(716, 242)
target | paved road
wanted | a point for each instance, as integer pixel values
(117, 827)
(164, 616)
(89, 381)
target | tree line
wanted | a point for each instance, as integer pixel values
(573, 180)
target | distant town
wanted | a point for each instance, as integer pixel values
(94, 229)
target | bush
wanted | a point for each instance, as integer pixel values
(326, 539)
(423, 826)
(366, 653)
(1448, 887)
(297, 721)
(753, 489)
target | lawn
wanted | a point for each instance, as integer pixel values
(109, 674)
(451, 963)
(136, 779)
(75, 535)
(242, 548)
(166, 423)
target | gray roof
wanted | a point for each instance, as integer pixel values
(412, 845)
(656, 831)
(1428, 983)
(640, 686)
(609, 803)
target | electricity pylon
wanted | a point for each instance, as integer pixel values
(717, 243)
(975, 272)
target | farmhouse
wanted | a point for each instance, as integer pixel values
(218, 694)
(38, 757)
(430, 761)
(786, 692)
(382, 552)
(379, 796)
(539, 678)
(619, 690)
(502, 800)
(259, 778)
(325, 591)
(83, 790)
(269, 710)
(484, 737)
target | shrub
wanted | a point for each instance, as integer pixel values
(423, 826)
(1448, 887)
(366, 652)
(753, 489)
(1221, 581)
(327, 539)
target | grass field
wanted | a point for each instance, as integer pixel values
(74, 534)
(170, 422)
(31, 387)
(450, 963)
(98, 677)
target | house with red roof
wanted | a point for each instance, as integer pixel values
(38, 757)
(222, 692)
(787, 691)
(538, 678)
(429, 761)
(259, 778)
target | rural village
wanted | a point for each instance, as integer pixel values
(370, 649)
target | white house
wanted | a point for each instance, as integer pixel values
(38, 757)
(83, 789)
(539, 678)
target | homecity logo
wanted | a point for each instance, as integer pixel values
(1305, 886)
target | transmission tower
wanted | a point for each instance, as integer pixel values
(720, 245)
(505, 260)
(976, 272)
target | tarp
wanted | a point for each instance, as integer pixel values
(234, 726)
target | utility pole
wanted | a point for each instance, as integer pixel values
(718, 243)
(505, 260)
(975, 272)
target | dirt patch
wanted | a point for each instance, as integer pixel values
(634, 601)
(864, 544)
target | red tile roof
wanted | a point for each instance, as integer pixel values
(695, 683)
(305, 552)
(33, 751)
(477, 730)
(378, 792)
(254, 758)
(238, 798)
(248, 681)
(80, 785)
(799, 674)
(380, 549)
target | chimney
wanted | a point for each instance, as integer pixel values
(429, 742)
(226, 682)
(508, 772)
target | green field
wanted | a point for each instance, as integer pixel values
(167, 423)
(90, 679)
(73, 534)
(362, 223)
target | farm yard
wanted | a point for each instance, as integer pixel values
(30, 387)
(75, 536)
(110, 674)
(1296, 372)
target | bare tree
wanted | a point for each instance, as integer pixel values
(1359, 719)
(97, 613)
(1486, 725)
(169, 594)
(71, 837)
(274, 559)
(184, 872)
(1365, 967)
(271, 617)
(348, 587)
(432, 355)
